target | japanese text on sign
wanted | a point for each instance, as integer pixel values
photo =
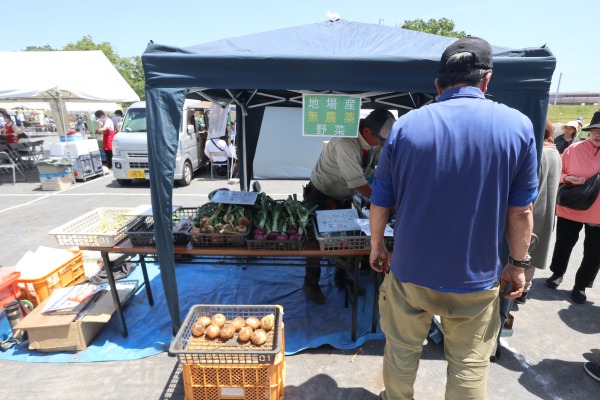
(230, 197)
(330, 115)
(337, 220)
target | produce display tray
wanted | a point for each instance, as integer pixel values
(218, 239)
(275, 244)
(349, 240)
(192, 350)
(142, 232)
(101, 227)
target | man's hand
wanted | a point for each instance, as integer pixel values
(379, 258)
(512, 281)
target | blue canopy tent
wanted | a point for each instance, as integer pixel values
(388, 67)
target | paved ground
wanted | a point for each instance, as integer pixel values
(552, 338)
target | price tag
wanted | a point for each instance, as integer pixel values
(337, 220)
(231, 197)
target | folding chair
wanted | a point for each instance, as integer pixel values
(29, 152)
(6, 162)
(14, 155)
(217, 164)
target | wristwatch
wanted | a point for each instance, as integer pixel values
(526, 263)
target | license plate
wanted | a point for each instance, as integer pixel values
(136, 174)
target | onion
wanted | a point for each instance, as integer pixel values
(212, 331)
(267, 322)
(227, 332)
(259, 236)
(198, 329)
(219, 320)
(238, 323)
(291, 230)
(204, 320)
(296, 237)
(253, 322)
(259, 230)
(259, 337)
(245, 334)
(281, 237)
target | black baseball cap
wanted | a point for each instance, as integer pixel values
(479, 48)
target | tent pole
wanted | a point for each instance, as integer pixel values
(245, 163)
(61, 116)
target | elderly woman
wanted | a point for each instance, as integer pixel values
(569, 136)
(580, 161)
(543, 207)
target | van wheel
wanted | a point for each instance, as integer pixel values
(124, 182)
(186, 174)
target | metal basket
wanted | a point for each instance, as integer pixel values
(142, 233)
(192, 350)
(101, 227)
(275, 244)
(218, 239)
(352, 240)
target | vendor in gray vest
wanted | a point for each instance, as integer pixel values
(342, 170)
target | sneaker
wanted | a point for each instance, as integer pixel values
(578, 295)
(315, 294)
(592, 368)
(554, 281)
(522, 299)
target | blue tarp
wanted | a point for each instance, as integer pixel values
(307, 325)
(390, 67)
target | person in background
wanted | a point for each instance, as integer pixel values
(217, 145)
(543, 207)
(568, 137)
(343, 169)
(579, 162)
(582, 135)
(461, 172)
(9, 133)
(117, 120)
(108, 134)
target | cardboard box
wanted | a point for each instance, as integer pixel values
(55, 182)
(49, 333)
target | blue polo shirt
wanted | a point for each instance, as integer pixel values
(451, 169)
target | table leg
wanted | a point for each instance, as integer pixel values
(146, 280)
(113, 289)
(356, 286)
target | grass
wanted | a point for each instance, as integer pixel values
(565, 114)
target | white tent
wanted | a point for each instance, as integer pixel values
(59, 76)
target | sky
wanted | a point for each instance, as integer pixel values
(569, 29)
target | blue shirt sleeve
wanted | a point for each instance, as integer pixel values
(522, 197)
(383, 193)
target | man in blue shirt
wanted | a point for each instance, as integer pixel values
(461, 174)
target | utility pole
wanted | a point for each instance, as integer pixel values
(557, 87)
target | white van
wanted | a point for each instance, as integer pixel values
(130, 146)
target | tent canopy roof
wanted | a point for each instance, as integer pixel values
(79, 75)
(340, 55)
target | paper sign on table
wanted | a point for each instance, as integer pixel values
(233, 197)
(337, 220)
(365, 226)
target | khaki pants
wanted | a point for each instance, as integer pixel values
(470, 321)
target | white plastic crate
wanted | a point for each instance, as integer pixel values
(101, 227)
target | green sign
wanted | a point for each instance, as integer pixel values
(330, 115)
